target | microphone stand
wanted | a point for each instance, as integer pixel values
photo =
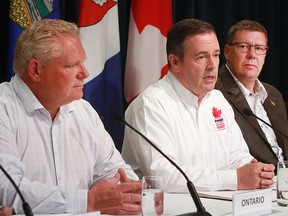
(249, 112)
(26, 207)
(200, 208)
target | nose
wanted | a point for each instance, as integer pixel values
(212, 62)
(251, 53)
(83, 72)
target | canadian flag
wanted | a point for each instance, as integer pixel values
(146, 60)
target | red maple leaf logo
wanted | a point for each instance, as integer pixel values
(216, 113)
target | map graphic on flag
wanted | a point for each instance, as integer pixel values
(26, 12)
(99, 34)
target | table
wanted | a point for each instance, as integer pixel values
(175, 204)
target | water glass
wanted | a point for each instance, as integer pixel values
(152, 195)
(282, 183)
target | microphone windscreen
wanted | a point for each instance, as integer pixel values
(119, 118)
(248, 112)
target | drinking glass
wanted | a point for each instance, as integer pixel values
(282, 183)
(152, 195)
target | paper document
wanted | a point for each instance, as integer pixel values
(227, 195)
(95, 213)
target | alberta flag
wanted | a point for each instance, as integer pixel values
(22, 14)
(146, 60)
(99, 34)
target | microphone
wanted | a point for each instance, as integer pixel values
(249, 112)
(26, 207)
(200, 208)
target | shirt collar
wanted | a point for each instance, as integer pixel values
(28, 99)
(258, 87)
(261, 91)
(185, 95)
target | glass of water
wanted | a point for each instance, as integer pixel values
(282, 183)
(152, 195)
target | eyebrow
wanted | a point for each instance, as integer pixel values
(205, 52)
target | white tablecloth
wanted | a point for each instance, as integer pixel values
(175, 204)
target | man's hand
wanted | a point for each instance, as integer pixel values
(5, 211)
(110, 197)
(267, 175)
(255, 175)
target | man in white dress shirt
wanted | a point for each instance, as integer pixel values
(192, 123)
(52, 142)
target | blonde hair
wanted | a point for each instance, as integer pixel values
(41, 40)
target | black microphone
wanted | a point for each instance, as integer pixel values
(200, 208)
(26, 207)
(249, 112)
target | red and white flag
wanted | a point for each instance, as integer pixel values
(99, 34)
(146, 60)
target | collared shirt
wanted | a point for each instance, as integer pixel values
(53, 163)
(203, 139)
(256, 101)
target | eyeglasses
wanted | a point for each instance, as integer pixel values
(245, 47)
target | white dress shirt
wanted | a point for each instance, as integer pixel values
(53, 163)
(203, 139)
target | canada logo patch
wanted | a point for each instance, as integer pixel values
(219, 121)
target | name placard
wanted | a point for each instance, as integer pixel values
(256, 202)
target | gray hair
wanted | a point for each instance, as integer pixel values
(41, 40)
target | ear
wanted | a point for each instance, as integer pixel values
(227, 51)
(174, 62)
(33, 69)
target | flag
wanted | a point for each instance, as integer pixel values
(146, 60)
(22, 14)
(99, 34)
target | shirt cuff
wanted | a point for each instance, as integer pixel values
(229, 179)
(77, 201)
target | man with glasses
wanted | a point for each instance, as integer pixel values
(245, 53)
